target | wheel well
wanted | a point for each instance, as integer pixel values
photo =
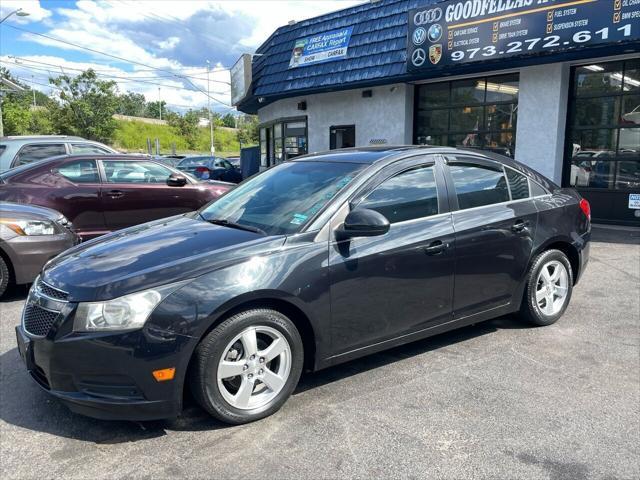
(572, 254)
(297, 316)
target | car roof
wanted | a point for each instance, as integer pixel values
(40, 138)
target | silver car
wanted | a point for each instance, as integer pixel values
(19, 150)
(29, 237)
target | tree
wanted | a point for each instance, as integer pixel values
(153, 109)
(186, 125)
(133, 104)
(248, 130)
(86, 107)
(18, 114)
(229, 121)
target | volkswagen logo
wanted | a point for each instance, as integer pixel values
(419, 36)
(435, 32)
(418, 57)
(425, 17)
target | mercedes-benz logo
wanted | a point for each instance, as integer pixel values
(418, 57)
(419, 36)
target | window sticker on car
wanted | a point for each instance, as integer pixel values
(298, 219)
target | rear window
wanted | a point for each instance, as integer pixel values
(194, 161)
(38, 151)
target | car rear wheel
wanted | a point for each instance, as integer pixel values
(549, 288)
(4, 276)
(248, 366)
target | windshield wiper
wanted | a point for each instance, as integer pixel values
(239, 226)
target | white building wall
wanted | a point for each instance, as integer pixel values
(542, 116)
(386, 116)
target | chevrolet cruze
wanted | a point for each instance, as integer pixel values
(309, 264)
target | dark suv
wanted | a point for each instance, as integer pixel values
(309, 264)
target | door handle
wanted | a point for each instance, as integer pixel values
(519, 226)
(436, 248)
(115, 193)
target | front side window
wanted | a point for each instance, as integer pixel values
(478, 185)
(406, 196)
(135, 172)
(87, 148)
(283, 199)
(81, 171)
(38, 151)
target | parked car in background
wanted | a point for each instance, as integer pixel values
(212, 168)
(314, 262)
(20, 150)
(100, 194)
(30, 236)
(171, 160)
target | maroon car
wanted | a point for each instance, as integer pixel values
(102, 194)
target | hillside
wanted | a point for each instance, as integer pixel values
(132, 136)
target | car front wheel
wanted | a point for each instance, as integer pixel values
(549, 288)
(248, 366)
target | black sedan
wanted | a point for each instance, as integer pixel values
(211, 168)
(309, 264)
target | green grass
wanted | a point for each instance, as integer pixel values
(132, 137)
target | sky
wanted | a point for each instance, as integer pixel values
(155, 40)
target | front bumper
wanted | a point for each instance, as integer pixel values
(28, 254)
(108, 376)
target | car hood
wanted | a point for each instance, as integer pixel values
(20, 211)
(155, 253)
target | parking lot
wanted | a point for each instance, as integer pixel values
(495, 400)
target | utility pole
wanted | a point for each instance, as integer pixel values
(159, 103)
(213, 148)
(34, 92)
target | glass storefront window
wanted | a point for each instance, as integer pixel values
(282, 140)
(604, 132)
(480, 113)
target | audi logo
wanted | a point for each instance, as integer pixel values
(427, 16)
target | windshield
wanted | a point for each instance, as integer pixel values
(285, 198)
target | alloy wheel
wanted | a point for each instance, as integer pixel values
(254, 368)
(552, 286)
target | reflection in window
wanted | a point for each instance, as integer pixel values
(478, 185)
(518, 184)
(462, 113)
(83, 171)
(409, 195)
(604, 134)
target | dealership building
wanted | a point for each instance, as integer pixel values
(554, 84)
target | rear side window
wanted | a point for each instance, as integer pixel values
(478, 185)
(406, 196)
(87, 148)
(537, 190)
(2, 149)
(518, 183)
(82, 171)
(39, 151)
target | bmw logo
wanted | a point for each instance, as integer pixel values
(419, 36)
(435, 32)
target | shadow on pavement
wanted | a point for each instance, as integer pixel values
(621, 235)
(25, 405)
(15, 293)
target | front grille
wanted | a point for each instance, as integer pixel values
(51, 292)
(37, 321)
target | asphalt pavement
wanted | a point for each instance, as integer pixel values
(495, 400)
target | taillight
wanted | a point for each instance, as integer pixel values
(586, 208)
(202, 169)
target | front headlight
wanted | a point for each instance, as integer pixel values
(129, 312)
(29, 227)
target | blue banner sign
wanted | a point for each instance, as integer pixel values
(457, 32)
(321, 48)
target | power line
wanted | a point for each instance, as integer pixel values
(133, 62)
(122, 79)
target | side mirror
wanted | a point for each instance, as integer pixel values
(363, 222)
(176, 180)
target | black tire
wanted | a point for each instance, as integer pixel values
(203, 373)
(530, 310)
(4, 276)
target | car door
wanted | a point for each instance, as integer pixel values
(135, 192)
(494, 226)
(76, 192)
(401, 282)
